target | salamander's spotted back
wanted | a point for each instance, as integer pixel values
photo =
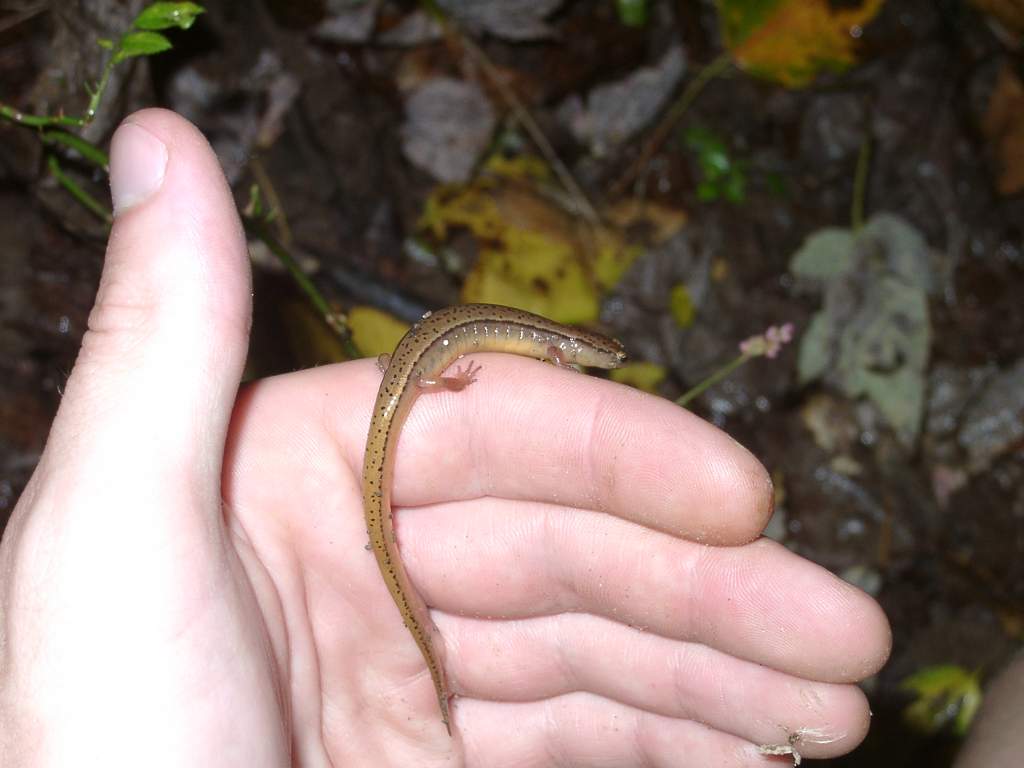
(429, 347)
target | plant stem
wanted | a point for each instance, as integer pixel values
(580, 200)
(86, 149)
(860, 179)
(38, 121)
(78, 192)
(333, 319)
(684, 399)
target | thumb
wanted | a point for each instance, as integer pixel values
(113, 565)
(151, 393)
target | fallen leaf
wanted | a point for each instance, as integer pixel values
(1010, 13)
(448, 126)
(680, 304)
(1003, 125)
(531, 253)
(645, 376)
(993, 423)
(616, 111)
(791, 41)
(375, 332)
(517, 20)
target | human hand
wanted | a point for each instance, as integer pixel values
(187, 588)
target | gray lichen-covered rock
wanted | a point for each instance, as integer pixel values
(872, 335)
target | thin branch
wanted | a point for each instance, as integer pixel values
(860, 180)
(336, 321)
(664, 128)
(580, 200)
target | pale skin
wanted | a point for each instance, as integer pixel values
(185, 580)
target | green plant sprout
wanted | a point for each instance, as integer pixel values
(945, 695)
(722, 176)
(142, 39)
(145, 39)
(632, 13)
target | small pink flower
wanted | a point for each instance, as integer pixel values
(768, 343)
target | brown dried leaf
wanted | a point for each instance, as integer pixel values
(1004, 127)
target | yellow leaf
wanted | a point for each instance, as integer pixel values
(374, 331)
(531, 253)
(309, 340)
(645, 376)
(535, 274)
(681, 306)
(791, 41)
(519, 167)
(657, 222)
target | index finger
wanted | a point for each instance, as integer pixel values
(528, 430)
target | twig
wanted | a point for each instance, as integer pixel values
(273, 201)
(255, 226)
(664, 128)
(12, 21)
(580, 200)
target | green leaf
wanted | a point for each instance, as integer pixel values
(632, 13)
(723, 177)
(106, 43)
(711, 151)
(707, 192)
(142, 44)
(735, 186)
(167, 15)
(944, 694)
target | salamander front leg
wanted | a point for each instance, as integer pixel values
(456, 383)
(555, 356)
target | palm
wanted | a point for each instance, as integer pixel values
(563, 620)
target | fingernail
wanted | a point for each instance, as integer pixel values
(138, 160)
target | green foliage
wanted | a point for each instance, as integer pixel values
(945, 694)
(632, 13)
(167, 15)
(144, 39)
(141, 44)
(722, 176)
